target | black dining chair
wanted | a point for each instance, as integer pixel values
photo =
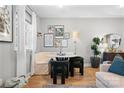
(60, 66)
(76, 62)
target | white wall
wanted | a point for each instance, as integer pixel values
(7, 60)
(39, 29)
(88, 28)
(122, 34)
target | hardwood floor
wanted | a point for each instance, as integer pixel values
(38, 81)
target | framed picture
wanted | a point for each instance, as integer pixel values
(59, 31)
(48, 40)
(51, 29)
(57, 43)
(6, 14)
(66, 35)
(64, 43)
(61, 43)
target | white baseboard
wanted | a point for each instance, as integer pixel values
(87, 64)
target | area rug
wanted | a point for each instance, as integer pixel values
(68, 86)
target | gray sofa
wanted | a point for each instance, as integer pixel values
(105, 79)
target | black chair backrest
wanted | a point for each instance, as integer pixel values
(62, 58)
(76, 59)
(60, 61)
(54, 62)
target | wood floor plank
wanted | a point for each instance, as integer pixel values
(38, 81)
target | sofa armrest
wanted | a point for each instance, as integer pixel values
(104, 67)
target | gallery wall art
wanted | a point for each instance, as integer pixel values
(67, 35)
(51, 29)
(48, 40)
(60, 43)
(58, 30)
(56, 37)
(6, 33)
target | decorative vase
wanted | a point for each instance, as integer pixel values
(95, 62)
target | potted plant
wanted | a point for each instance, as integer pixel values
(95, 60)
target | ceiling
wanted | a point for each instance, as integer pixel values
(77, 11)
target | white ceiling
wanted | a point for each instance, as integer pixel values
(76, 11)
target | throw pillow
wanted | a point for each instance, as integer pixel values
(119, 56)
(117, 66)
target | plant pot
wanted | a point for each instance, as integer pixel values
(95, 62)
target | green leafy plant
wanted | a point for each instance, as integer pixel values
(94, 46)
